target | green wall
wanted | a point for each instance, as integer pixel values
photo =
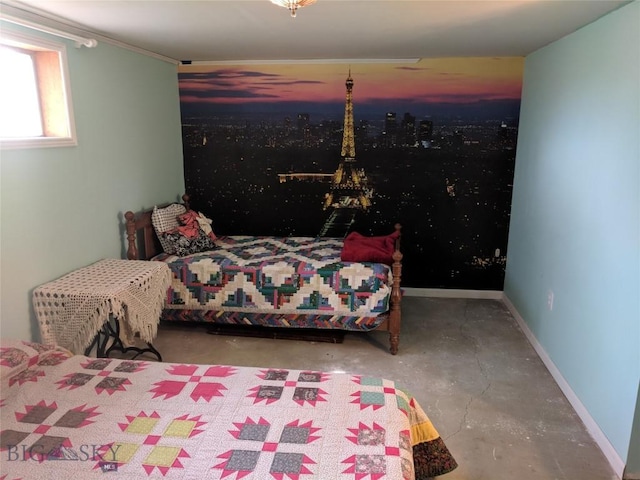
(633, 459)
(62, 208)
(576, 211)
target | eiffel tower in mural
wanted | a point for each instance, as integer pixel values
(349, 190)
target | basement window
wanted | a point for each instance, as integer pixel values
(35, 105)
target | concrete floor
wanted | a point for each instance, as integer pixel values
(469, 365)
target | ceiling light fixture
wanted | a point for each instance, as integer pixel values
(293, 5)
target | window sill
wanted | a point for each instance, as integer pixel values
(39, 142)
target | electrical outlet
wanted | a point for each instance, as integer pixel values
(550, 299)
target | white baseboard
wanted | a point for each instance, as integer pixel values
(452, 293)
(592, 427)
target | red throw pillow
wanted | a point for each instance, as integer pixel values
(359, 248)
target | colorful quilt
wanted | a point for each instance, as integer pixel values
(282, 282)
(68, 417)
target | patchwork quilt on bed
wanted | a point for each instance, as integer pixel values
(273, 281)
(66, 416)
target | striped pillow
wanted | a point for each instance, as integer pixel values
(165, 219)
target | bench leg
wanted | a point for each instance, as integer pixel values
(111, 333)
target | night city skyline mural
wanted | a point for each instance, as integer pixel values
(430, 145)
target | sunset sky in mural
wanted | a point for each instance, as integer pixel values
(452, 80)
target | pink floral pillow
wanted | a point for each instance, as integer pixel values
(17, 356)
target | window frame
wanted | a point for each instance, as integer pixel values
(54, 92)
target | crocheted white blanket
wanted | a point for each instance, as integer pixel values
(72, 309)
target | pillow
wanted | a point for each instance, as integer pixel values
(18, 355)
(358, 248)
(166, 219)
(194, 221)
(183, 245)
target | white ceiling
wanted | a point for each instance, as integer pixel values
(249, 30)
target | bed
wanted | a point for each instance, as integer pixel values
(72, 416)
(291, 282)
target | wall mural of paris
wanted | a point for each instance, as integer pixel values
(430, 145)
